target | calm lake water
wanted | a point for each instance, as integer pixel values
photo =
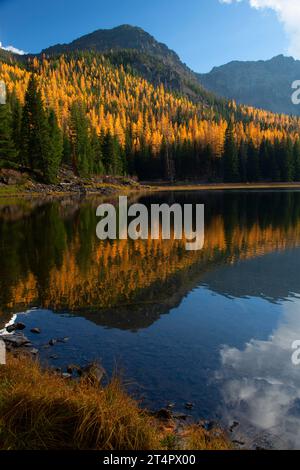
(213, 327)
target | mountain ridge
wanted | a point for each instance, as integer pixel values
(137, 49)
(120, 37)
(265, 84)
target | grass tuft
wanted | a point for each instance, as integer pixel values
(40, 410)
(197, 438)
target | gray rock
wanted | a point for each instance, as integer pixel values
(171, 406)
(10, 328)
(62, 340)
(16, 341)
(209, 425)
(93, 372)
(71, 369)
(180, 416)
(34, 351)
(16, 326)
(2, 352)
(189, 406)
(66, 375)
(163, 414)
(36, 331)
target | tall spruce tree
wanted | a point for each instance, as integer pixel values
(265, 160)
(243, 156)
(67, 149)
(16, 113)
(207, 168)
(275, 161)
(253, 163)
(52, 163)
(112, 157)
(287, 161)
(96, 152)
(8, 152)
(35, 139)
(230, 156)
(296, 152)
(82, 154)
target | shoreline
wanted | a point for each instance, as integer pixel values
(221, 186)
(107, 190)
(104, 191)
(48, 392)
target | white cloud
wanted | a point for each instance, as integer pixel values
(261, 386)
(12, 49)
(288, 13)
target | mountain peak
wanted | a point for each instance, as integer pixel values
(131, 46)
(282, 58)
(119, 38)
(126, 27)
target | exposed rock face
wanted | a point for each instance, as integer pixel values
(263, 84)
(119, 38)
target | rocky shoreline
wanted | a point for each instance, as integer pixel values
(16, 183)
(14, 342)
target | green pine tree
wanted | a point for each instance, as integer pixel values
(53, 158)
(253, 163)
(265, 160)
(82, 155)
(96, 151)
(67, 149)
(275, 161)
(243, 156)
(16, 124)
(230, 157)
(35, 138)
(112, 157)
(287, 161)
(8, 152)
(296, 152)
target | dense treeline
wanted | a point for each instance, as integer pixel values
(96, 117)
(30, 137)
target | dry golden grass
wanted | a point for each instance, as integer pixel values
(40, 410)
(196, 437)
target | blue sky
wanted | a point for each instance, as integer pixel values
(203, 32)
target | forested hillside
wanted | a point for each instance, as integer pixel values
(91, 112)
(140, 53)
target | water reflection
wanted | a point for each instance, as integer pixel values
(51, 257)
(273, 277)
(261, 386)
(218, 324)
